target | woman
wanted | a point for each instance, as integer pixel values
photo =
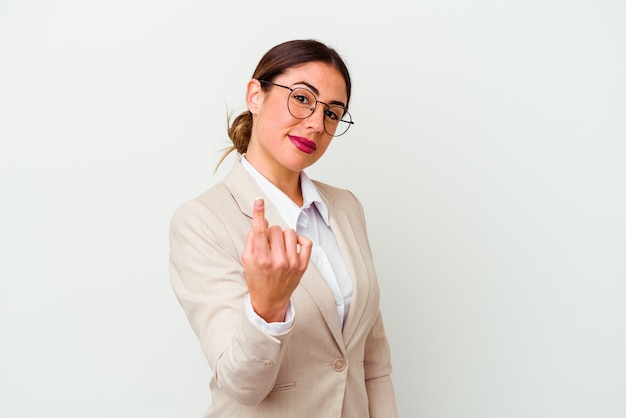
(274, 270)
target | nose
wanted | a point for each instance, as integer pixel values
(316, 120)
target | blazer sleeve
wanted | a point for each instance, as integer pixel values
(377, 364)
(377, 359)
(207, 277)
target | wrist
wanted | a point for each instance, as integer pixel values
(270, 312)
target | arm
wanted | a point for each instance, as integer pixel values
(211, 283)
(208, 279)
(377, 364)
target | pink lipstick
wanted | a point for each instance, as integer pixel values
(303, 144)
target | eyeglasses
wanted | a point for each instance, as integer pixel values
(301, 103)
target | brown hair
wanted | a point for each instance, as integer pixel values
(275, 62)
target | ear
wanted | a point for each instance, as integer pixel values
(254, 95)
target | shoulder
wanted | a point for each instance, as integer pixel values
(207, 202)
(214, 210)
(337, 195)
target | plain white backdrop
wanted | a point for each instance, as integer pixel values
(489, 152)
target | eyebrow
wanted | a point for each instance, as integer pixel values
(317, 93)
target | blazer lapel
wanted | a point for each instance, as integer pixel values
(315, 285)
(342, 226)
(245, 190)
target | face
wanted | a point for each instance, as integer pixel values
(280, 144)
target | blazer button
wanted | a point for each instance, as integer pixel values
(339, 364)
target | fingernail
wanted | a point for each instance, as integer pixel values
(258, 202)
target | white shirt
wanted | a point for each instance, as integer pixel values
(311, 221)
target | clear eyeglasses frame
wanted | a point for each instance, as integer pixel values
(302, 103)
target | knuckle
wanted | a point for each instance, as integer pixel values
(280, 262)
(263, 263)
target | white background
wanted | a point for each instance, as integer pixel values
(489, 153)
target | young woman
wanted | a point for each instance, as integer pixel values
(273, 269)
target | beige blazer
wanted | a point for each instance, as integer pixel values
(313, 370)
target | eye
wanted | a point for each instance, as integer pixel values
(334, 113)
(331, 114)
(302, 97)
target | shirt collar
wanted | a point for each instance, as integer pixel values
(286, 207)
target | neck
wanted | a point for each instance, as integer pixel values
(285, 180)
(291, 187)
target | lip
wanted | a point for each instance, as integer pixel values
(303, 144)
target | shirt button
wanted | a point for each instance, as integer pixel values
(338, 301)
(268, 363)
(339, 364)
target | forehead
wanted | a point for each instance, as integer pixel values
(323, 77)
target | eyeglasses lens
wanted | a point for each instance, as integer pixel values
(302, 103)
